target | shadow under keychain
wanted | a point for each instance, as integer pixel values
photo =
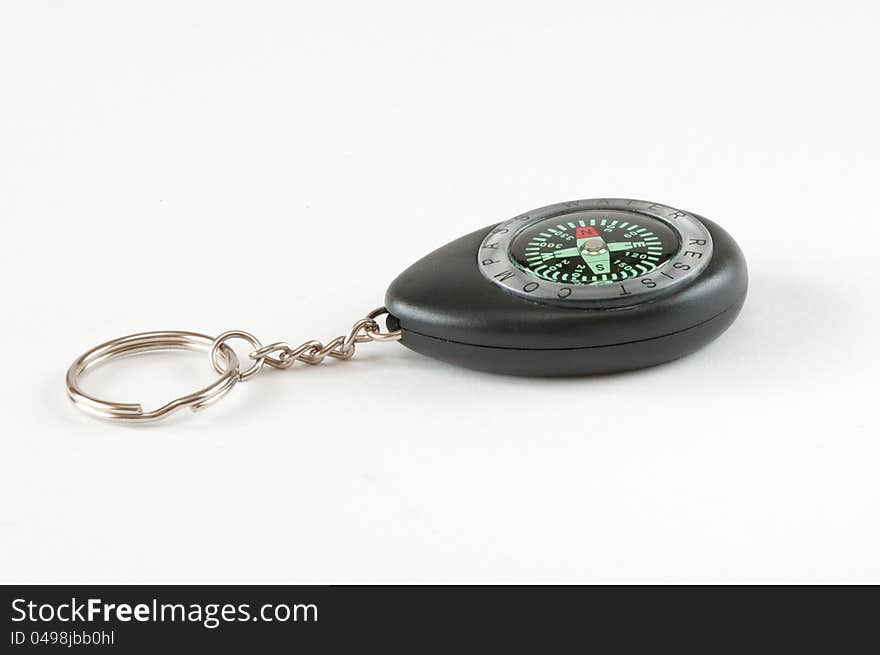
(576, 288)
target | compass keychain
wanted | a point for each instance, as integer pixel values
(576, 288)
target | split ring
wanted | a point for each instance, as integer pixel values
(144, 342)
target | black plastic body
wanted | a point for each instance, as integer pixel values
(446, 309)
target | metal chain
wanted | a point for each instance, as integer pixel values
(282, 355)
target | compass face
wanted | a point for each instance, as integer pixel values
(594, 247)
(605, 252)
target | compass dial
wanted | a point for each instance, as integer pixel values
(605, 252)
(594, 247)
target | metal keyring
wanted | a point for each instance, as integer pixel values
(135, 344)
(222, 358)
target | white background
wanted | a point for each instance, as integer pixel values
(272, 166)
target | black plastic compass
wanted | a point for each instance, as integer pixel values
(581, 287)
(589, 286)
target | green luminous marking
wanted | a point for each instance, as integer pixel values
(561, 254)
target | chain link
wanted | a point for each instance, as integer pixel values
(282, 355)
